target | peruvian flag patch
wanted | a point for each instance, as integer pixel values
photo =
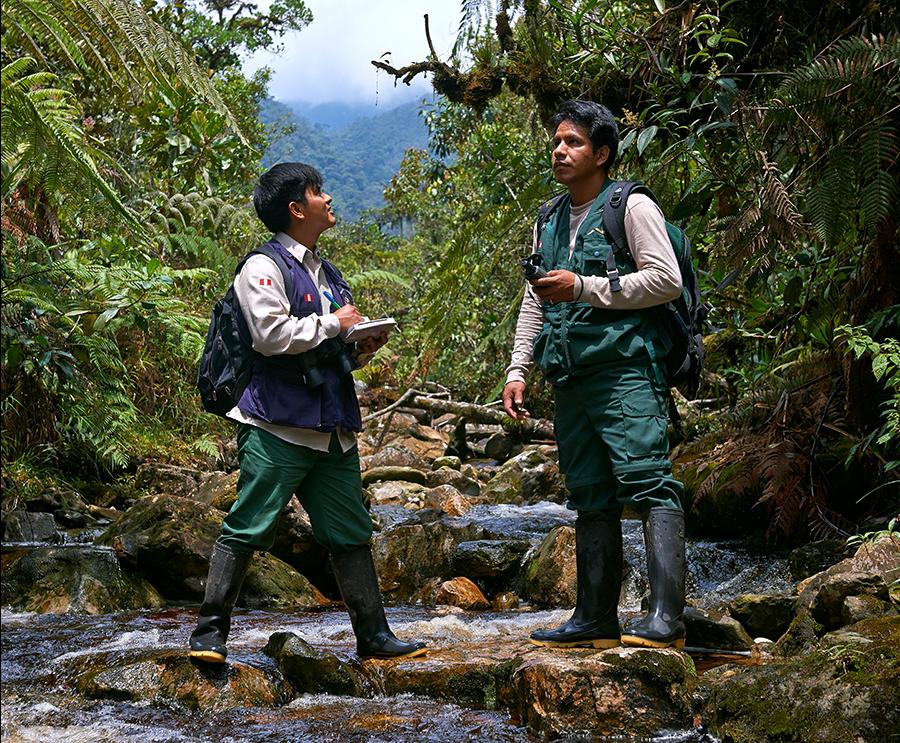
(265, 282)
(307, 297)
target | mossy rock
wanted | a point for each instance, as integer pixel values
(845, 690)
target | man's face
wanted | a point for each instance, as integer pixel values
(574, 157)
(316, 211)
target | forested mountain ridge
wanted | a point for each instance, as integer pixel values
(357, 158)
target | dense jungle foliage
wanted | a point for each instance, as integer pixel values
(131, 142)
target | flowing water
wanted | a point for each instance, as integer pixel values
(38, 649)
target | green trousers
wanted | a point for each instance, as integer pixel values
(327, 484)
(613, 441)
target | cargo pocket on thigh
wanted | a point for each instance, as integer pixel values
(646, 436)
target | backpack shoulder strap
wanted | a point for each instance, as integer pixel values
(614, 224)
(546, 210)
(276, 257)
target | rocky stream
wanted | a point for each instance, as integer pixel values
(100, 590)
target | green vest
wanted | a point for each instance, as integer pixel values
(576, 335)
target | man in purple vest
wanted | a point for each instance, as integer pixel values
(298, 419)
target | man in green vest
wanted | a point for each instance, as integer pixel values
(598, 347)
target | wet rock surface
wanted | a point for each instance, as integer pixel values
(80, 579)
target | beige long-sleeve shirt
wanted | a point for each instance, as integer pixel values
(657, 279)
(261, 293)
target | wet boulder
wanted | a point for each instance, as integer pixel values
(870, 571)
(454, 463)
(395, 493)
(168, 540)
(25, 526)
(217, 489)
(528, 477)
(764, 615)
(392, 473)
(812, 558)
(72, 579)
(549, 576)
(67, 506)
(157, 477)
(459, 592)
(493, 560)
(170, 677)
(447, 499)
(477, 675)
(627, 692)
(714, 630)
(393, 455)
(313, 671)
(448, 476)
(409, 553)
(845, 689)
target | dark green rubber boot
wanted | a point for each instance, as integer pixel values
(663, 626)
(227, 568)
(598, 560)
(358, 581)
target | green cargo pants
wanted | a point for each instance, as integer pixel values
(613, 442)
(327, 484)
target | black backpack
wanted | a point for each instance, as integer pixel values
(680, 322)
(226, 364)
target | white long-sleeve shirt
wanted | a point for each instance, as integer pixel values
(261, 293)
(657, 279)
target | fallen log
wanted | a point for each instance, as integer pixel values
(528, 428)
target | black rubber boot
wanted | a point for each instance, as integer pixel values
(227, 568)
(356, 577)
(663, 626)
(598, 561)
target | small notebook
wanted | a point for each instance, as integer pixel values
(370, 328)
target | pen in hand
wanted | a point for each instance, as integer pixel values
(334, 304)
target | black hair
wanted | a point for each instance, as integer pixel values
(597, 119)
(279, 186)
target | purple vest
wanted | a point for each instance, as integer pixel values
(278, 391)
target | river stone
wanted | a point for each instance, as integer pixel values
(410, 553)
(550, 574)
(25, 526)
(505, 601)
(310, 670)
(859, 608)
(156, 477)
(627, 692)
(168, 540)
(460, 592)
(454, 463)
(390, 474)
(218, 489)
(448, 476)
(801, 636)
(67, 506)
(446, 498)
(75, 579)
(395, 493)
(497, 446)
(709, 629)
(768, 615)
(815, 557)
(393, 455)
(844, 691)
(529, 477)
(489, 558)
(475, 675)
(827, 605)
(170, 677)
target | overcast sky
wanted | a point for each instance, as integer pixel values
(330, 59)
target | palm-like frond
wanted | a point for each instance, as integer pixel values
(115, 38)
